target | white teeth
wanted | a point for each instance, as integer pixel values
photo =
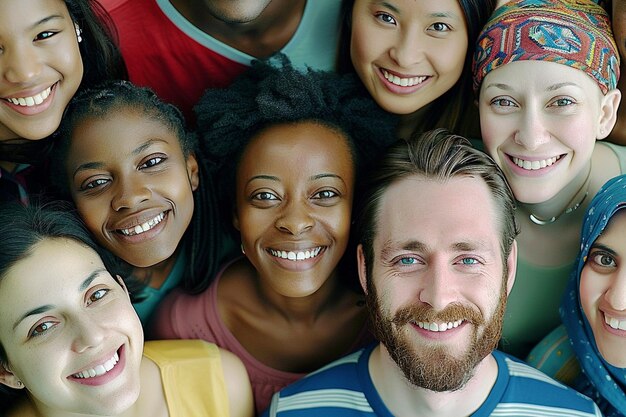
(141, 228)
(403, 82)
(99, 369)
(31, 101)
(438, 327)
(296, 256)
(615, 323)
(535, 165)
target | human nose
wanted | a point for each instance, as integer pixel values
(21, 65)
(295, 219)
(616, 293)
(532, 132)
(88, 333)
(438, 289)
(129, 193)
(408, 49)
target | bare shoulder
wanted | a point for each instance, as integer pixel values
(605, 164)
(237, 385)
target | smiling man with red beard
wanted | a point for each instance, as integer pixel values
(437, 260)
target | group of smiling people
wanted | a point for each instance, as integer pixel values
(227, 240)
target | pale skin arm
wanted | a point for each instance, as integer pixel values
(237, 385)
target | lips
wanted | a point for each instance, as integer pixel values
(403, 81)
(299, 255)
(536, 164)
(31, 100)
(98, 370)
(438, 327)
(143, 227)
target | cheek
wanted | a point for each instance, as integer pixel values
(361, 45)
(591, 289)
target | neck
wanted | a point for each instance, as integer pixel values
(156, 275)
(301, 309)
(568, 200)
(261, 37)
(400, 396)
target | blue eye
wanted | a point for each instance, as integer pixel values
(469, 261)
(408, 261)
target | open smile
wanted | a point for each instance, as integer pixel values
(144, 227)
(297, 255)
(99, 370)
(614, 323)
(403, 82)
(534, 165)
(32, 100)
(438, 327)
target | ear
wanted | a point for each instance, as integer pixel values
(193, 171)
(362, 269)
(236, 220)
(9, 379)
(511, 264)
(608, 113)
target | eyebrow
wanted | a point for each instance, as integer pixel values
(42, 309)
(603, 248)
(46, 20)
(311, 178)
(139, 149)
(552, 87)
(390, 247)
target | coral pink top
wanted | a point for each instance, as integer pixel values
(185, 316)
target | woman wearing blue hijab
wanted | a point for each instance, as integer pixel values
(594, 305)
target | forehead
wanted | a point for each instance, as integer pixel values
(421, 8)
(51, 269)
(119, 132)
(438, 213)
(304, 144)
(530, 76)
(15, 15)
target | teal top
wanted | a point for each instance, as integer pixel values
(152, 297)
(533, 305)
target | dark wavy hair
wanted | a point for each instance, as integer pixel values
(21, 229)
(273, 92)
(112, 95)
(454, 110)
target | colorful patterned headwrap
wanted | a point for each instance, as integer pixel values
(576, 33)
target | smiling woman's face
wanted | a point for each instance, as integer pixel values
(40, 67)
(294, 200)
(70, 333)
(408, 53)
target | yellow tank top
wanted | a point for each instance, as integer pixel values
(193, 379)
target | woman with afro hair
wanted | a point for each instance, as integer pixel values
(286, 148)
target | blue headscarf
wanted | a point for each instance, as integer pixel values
(607, 381)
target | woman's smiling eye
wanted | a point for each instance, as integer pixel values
(502, 102)
(325, 194)
(45, 35)
(152, 162)
(264, 195)
(97, 295)
(562, 102)
(95, 183)
(440, 27)
(386, 18)
(603, 259)
(41, 328)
